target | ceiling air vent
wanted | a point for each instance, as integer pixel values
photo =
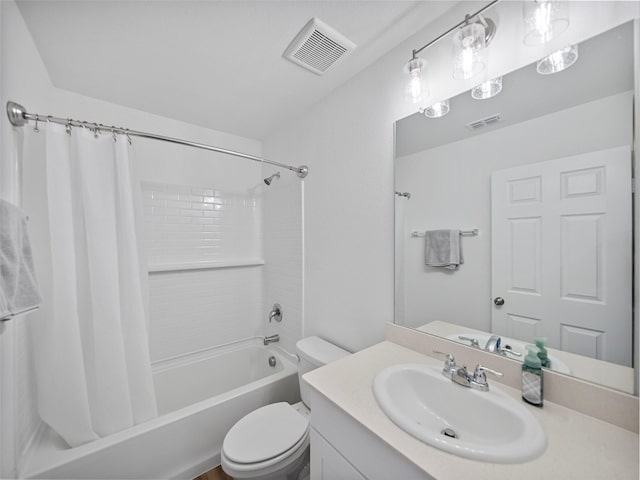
(484, 122)
(318, 46)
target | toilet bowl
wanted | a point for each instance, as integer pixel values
(272, 442)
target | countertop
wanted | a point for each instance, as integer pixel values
(578, 446)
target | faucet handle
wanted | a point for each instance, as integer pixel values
(474, 341)
(480, 370)
(450, 365)
(480, 379)
(505, 351)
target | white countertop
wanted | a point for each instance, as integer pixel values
(579, 446)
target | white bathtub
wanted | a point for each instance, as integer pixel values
(200, 396)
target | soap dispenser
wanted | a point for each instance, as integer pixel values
(542, 353)
(532, 384)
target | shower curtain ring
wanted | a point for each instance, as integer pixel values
(113, 133)
(96, 130)
(129, 138)
(36, 129)
(68, 127)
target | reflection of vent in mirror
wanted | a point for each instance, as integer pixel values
(318, 46)
(484, 122)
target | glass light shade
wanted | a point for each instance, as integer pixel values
(488, 89)
(437, 110)
(558, 61)
(469, 51)
(416, 90)
(544, 20)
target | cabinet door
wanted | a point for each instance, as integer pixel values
(328, 464)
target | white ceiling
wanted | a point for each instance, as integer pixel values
(217, 64)
(604, 67)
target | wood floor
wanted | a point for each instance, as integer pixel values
(215, 474)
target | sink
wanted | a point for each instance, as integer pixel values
(487, 426)
(516, 346)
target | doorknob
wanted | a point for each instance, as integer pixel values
(499, 301)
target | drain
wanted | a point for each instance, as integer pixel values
(447, 432)
(272, 361)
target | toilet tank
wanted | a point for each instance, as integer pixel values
(314, 352)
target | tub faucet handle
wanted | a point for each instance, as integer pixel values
(275, 313)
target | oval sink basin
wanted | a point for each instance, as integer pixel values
(487, 426)
(516, 346)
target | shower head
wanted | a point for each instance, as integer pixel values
(268, 180)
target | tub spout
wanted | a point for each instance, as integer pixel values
(271, 339)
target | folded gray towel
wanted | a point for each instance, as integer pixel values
(18, 287)
(443, 248)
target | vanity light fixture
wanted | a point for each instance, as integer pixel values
(469, 51)
(469, 48)
(417, 89)
(437, 110)
(544, 20)
(558, 61)
(487, 89)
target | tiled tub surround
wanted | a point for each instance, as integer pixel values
(205, 257)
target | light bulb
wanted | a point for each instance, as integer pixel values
(488, 89)
(558, 61)
(416, 90)
(469, 51)
(437, 110)
(544, 20)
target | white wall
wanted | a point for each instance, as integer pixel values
(347, 141)
(25, 79)
(450, 187)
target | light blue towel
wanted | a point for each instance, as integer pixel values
(443, 248)
(18, 287)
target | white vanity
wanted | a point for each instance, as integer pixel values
(353, 439)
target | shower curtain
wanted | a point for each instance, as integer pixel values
(91, 349)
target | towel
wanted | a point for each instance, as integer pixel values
(443, 248)
(18, 287)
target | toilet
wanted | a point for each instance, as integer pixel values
(272, 442)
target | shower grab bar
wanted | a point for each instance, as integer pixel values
(18, 116)
(469, 232)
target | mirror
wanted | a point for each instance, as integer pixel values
(538, 181)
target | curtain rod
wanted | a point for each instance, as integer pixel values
(18, 116)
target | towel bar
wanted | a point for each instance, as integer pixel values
(470, 232)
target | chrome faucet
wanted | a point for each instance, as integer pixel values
(477, 380)
(493, 345)
(271, 339)
(460, 375)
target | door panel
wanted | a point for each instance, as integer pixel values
(561, 253)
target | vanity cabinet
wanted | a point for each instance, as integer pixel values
(342, 449)
(327, 463)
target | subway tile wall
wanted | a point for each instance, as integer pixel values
(197, 309)
(186, 224)
(194, 309)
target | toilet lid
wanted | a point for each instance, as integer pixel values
(265, 433)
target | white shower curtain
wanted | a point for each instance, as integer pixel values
(92, 353)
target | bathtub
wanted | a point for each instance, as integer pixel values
(199, 396)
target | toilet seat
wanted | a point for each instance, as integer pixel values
(265, 440)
